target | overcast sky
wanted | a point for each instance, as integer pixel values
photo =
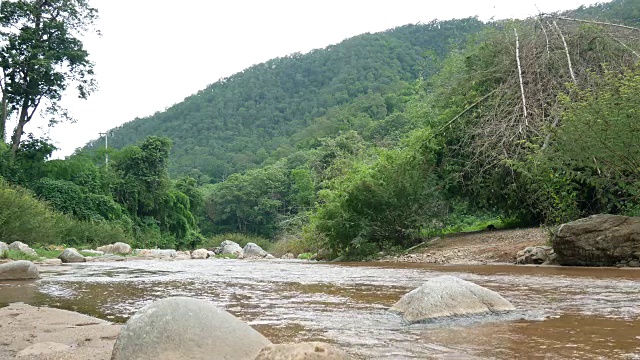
(153, 54)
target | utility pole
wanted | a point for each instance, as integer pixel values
(106, 148)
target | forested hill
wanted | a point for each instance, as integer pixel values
(238, 122)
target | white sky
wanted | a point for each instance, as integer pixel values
(153, 54)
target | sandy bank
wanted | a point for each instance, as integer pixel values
(482, 247)
(29, 332)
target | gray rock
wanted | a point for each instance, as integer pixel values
(183, 255)
(534, 255)
(252, 250)
(71, 255)
(634, 263)
(447, 296)
(302, 351)
(229, 247)
(599, 240)
(18, 270)
(185, 328)
(19, 246)
(157, 253)
(288, 256)
(3, 247)
(211, 254)
(92, 252)
(121, 248)
(117, 248)
(52, 262)
(269, 257)
(199, 254)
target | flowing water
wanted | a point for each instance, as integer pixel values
(563, 313)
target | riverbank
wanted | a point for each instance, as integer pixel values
(476, 248)
(30, 332)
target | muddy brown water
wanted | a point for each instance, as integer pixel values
(563, 313)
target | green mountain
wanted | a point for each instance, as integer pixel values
(261, 113)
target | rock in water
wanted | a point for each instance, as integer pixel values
(302, 351)
(185, 328)
(18, 270)
(598, 240)
(447, 296)
(71, 255)
(252, 250)
(229, 247)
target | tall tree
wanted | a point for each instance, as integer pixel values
(40, 56)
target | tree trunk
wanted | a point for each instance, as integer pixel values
(3, 118)
(17, 134)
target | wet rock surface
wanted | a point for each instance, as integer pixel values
(449, 296)
(302, 351)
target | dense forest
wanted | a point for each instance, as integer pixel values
(374, 144)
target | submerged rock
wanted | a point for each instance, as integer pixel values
(185, 328)
(71, 255)
(447, 296)
(598, 240)
(302, 351)
(18, 270)
(252, 250)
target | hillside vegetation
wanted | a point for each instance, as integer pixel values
(377, 143)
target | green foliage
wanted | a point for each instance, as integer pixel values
(250, 202)
(236, 122)
(40, 57)
(385, 201)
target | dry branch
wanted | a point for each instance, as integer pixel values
(524, 101)
(566, 49)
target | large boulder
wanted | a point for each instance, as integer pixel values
(199, 254)
(185, 328)
(252, 250)
(18, 270)
(302, 351)
(229, 247)
(448, 296)
(71, 255)
(121, 248)
(599, 240)
(536, 255)
(19, 246)
(3, 247)
(116, 248)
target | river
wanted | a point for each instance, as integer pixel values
(563, 313)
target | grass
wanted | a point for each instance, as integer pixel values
(17, 255)
(226, 256)
(47, 253)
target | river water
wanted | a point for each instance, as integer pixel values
(563, 313)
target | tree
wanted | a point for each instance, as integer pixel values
(40, 56)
